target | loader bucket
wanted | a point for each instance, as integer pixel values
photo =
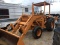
(11, 38)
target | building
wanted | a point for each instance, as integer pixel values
(8, 10)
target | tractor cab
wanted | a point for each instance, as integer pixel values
(41, 12)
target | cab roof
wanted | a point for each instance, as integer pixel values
(41, 4)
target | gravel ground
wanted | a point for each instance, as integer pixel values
(46, 39)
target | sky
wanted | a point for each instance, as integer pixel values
(23, 2)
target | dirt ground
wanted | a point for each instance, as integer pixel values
(46, 39)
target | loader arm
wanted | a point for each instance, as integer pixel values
(29, 23)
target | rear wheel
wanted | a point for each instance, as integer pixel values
(50, 24)
(37, 32)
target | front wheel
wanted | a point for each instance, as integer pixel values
(37, 32)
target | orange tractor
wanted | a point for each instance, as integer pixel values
(35, 22)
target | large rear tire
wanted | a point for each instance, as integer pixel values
(50, 24)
